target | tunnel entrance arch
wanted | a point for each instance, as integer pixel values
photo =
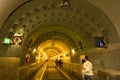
(55, 36)
(52, 49)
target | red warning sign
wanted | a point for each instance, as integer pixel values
(17, 40)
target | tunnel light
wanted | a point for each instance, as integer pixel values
(39, 55)
(64, 55)
(73, 50)
(34, 50)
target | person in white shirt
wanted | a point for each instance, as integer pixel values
(87, 69)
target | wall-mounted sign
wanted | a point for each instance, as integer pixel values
(99, 42)
(6, 41)
(17, 40)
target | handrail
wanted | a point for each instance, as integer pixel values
(112, 72)
(28, 70)
(69, 78)
(39, 75)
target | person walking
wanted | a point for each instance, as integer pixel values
(60, 63)
(87, 69)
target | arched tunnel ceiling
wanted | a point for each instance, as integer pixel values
(81, 18)
(57, 33)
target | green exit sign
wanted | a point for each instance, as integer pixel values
(6, 41)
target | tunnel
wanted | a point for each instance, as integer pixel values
(34, 32)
